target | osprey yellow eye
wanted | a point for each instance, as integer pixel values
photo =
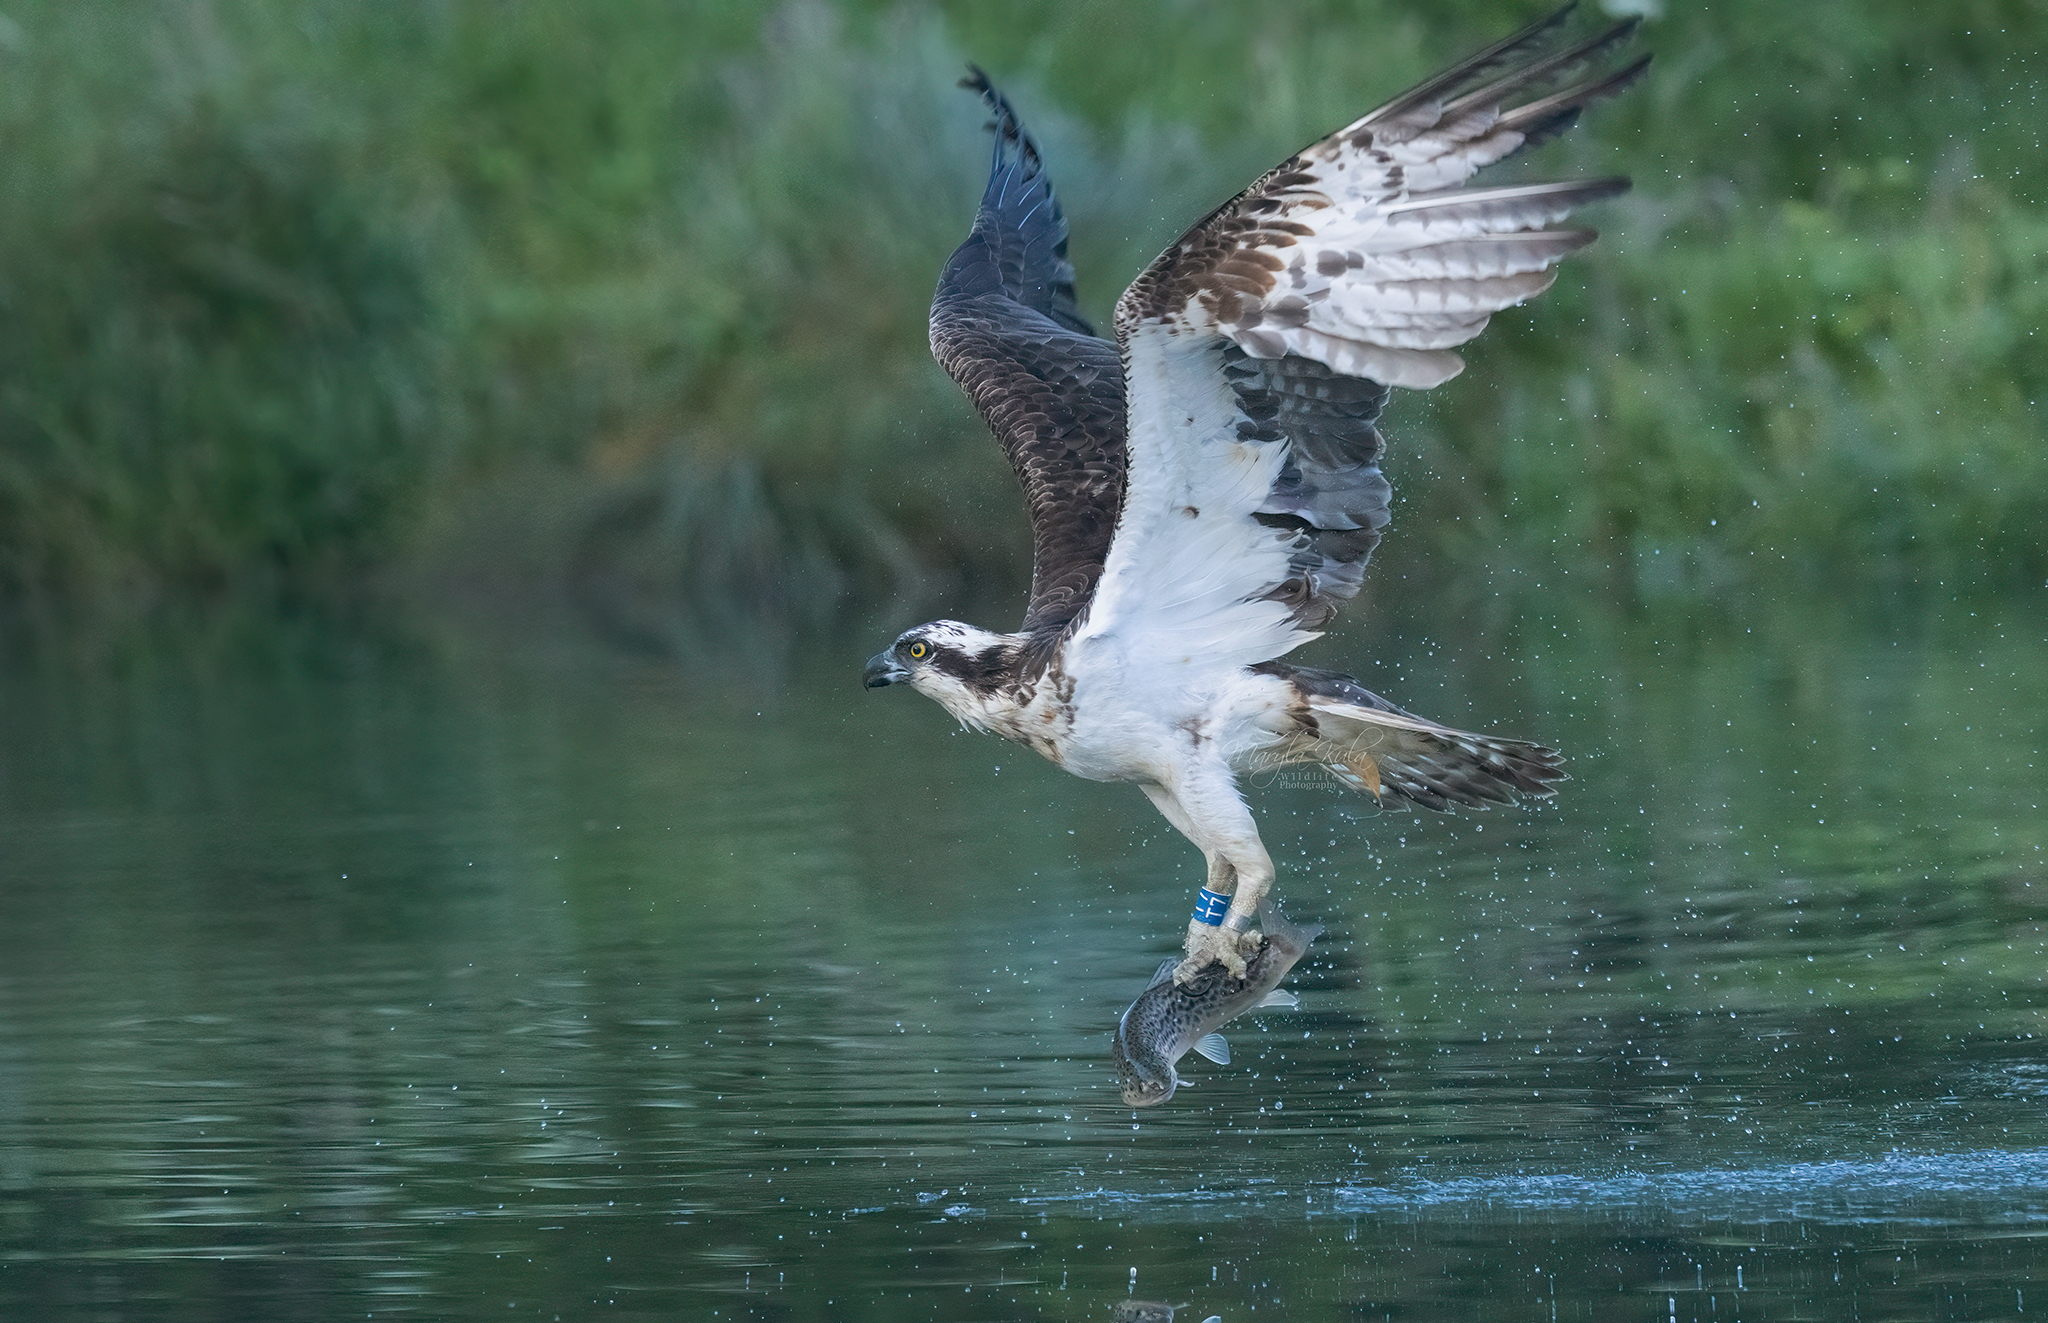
(917, 651)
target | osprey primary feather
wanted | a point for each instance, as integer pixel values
(1205, 489)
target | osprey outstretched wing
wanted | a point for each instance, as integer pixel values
(1005, 326)
(1260, 347)
(1205, 491)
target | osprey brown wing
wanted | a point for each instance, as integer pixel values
(1005, 325)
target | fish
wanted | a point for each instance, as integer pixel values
(1169, 1020)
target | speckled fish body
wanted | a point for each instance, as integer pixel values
(1169, 1020)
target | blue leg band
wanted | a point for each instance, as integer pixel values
(1210, 907)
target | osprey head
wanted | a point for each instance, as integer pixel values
(964, 669)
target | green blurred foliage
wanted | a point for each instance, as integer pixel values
(632, 295)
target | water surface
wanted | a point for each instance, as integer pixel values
(387, 969)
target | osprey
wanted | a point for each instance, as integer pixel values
(1205, 489)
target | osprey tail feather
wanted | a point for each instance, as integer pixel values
(1420, 762)
(1401, 759)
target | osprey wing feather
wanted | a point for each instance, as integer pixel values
(1005, 326)
(1259, 348)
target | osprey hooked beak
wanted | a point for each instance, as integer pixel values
(882, 669)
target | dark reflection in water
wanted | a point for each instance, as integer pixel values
(372, 971)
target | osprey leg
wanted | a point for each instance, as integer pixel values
(1208, 811)
(1216, 934)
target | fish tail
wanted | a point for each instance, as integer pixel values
(1275, 924)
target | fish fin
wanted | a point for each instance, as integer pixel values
(1213, 1047)
(1279, 998)
(1164, 973)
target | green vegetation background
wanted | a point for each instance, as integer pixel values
(631, 294)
